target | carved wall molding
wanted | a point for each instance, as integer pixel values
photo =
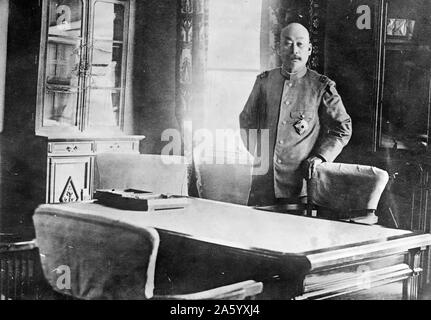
(317, 15)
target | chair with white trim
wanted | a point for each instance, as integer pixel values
(87, 257)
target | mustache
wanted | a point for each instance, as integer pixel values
(295, 57)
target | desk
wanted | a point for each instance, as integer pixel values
(297, 257)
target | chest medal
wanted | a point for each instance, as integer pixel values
(301, 126)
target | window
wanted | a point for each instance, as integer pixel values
(233, 64)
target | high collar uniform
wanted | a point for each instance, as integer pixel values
(295, 117)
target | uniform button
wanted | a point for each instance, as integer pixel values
(283, 123)
(290, 85)
(279, 161)
(281, 142)
(287, 103)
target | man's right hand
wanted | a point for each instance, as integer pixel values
(309, 166)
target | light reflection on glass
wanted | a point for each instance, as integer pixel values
(106, 68)
(63, 63)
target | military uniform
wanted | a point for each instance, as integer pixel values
(304, 116)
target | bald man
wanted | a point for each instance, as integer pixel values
(302, 114)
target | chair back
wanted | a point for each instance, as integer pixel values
(224, 182)
(91, 257)
(347, 187)
(156, 173)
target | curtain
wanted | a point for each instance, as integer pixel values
(191, 65)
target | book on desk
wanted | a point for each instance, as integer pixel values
(139, 200)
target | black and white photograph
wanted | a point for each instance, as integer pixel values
(215, 150)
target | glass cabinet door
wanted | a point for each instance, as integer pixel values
(105, 86)
(405, 101)
(63, 67)
(82, 73)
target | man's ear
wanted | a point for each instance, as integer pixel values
(277, 49)
(310, 48)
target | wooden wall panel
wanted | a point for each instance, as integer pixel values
(154, 74)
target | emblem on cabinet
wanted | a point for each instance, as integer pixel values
(69, 193)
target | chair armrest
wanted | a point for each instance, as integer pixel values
(236, 291)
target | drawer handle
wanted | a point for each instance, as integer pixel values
(69, 149)
(115, 145)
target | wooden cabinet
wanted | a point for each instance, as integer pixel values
(404, 89)
(85, 58)
(67, 87)
(71, 166)
(70, 169)
(84, 90)
(69, 178)
(381, 63)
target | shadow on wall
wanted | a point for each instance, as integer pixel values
(224, 182)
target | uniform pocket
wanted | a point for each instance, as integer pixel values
(299, 115)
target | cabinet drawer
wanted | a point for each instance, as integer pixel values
(117, 146)
(70, 148)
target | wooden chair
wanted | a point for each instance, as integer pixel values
(149, 172)
(89, 257)
(340, 191)
(20, 273)
(346, 191)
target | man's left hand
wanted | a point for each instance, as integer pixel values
(310, 165)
